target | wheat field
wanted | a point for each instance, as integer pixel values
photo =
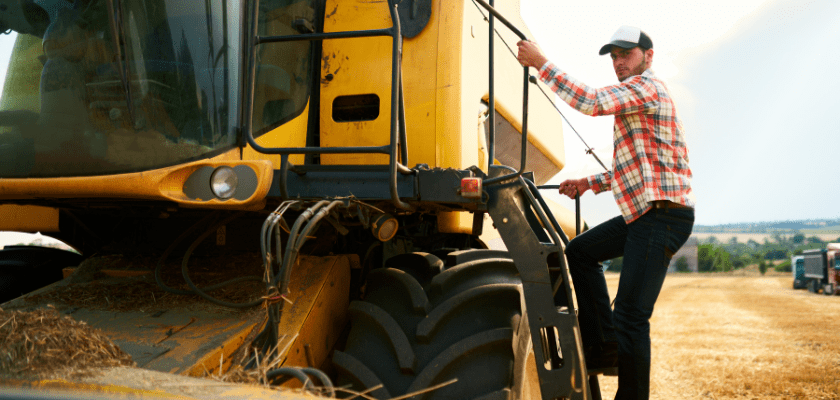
(741, 337)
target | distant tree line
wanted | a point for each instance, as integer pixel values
(716, 256)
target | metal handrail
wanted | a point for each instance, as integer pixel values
(535, 197)
(524, 150)
(491, 85)
(397, 108)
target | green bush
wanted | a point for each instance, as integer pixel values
(682, 265)
(783, 267)
(713, 258)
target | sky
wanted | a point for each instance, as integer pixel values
(754, 82)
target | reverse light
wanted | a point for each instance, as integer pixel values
(223, 182)
(471, 188)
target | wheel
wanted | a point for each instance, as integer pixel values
(828, 289)
(421, 325)
(813, 286)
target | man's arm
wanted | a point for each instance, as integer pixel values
(634, 95)
(637, 94)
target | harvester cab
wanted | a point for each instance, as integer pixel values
(351, 160)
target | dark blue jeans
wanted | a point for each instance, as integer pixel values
(647, 244)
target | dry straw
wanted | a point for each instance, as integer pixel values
(43, 344)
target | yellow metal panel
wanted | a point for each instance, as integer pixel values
(463, 82)
(449, 147)
(544, 132)
(363, 66)
(28, 218)
(544, 122)
(420, 58)
(355, 67)
(222, 356)
(159, 184)
(449, 91)
(319, 321)
(67, 389)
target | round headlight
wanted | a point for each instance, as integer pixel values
(223, 182)
(384, 227)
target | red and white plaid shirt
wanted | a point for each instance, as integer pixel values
(650, 157)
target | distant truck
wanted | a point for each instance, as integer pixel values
(822, 269)
(797, 264)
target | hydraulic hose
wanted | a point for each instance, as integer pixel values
(293, 234)
(301, 373)
(300, 240)
(168, 251)
(202, 293)
(268, 337)
(270, 226)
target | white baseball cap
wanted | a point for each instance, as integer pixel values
(628, 37)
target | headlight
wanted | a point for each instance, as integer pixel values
(384, 227)
(223, 182)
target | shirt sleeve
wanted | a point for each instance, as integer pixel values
(634, 95)
(600, 182)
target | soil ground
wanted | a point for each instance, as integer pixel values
(741, 335)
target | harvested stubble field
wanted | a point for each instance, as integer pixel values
(744, 336)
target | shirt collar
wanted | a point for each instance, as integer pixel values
(647, 74)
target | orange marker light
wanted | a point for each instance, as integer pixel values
(471, 188)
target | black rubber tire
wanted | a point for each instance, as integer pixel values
(829, 289)
(420, 325)
(813, 286)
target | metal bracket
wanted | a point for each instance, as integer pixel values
(554, 327)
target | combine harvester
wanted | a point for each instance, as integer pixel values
(308, 180)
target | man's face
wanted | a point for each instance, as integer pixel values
(630, 62)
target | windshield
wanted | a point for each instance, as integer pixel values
(799, 266)
(97, 87)
(282, 82)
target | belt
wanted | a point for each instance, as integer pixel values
(666, 204)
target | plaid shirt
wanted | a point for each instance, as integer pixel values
(650, 157)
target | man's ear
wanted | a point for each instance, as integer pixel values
(649, 56)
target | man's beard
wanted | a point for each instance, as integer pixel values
(637, 70)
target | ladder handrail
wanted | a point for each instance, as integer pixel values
(524, 146)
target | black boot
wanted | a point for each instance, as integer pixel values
(602, 359)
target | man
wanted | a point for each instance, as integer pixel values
(651, 182)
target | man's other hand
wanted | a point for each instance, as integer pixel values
(530, 54)
(572, 187)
